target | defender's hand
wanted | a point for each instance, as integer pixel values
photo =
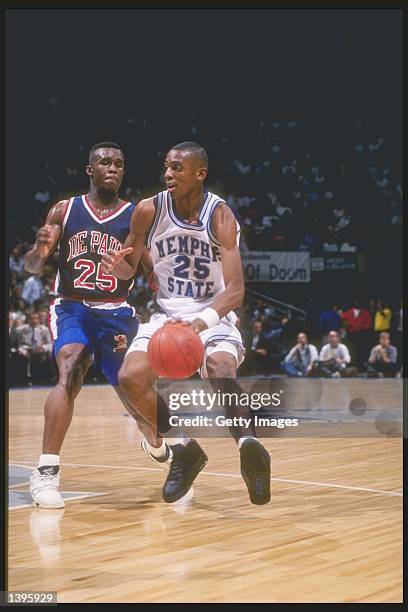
(44, 239)
(112, 258)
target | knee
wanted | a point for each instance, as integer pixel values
(133, 381)
(74, 378)
(72, 369)
(221, 368)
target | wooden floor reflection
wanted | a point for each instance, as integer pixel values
(332, 532)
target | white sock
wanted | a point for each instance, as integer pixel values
(240, 441)
(158, 453)
(48, 460)
(182, 438)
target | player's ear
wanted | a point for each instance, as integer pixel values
(88, 170)
(202, 174)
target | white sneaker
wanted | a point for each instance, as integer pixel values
(165, 462)
(44, 488)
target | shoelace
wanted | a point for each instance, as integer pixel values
(176, 469)
(47, 481)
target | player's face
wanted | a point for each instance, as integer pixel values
(182, 173)
(106, 168)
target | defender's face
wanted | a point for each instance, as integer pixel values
(106, 168)
(182, 173)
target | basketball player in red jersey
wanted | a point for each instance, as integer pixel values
(193, 237)
(90, 315)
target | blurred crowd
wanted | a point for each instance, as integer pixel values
(356, 340)
(295, 185)
(331, 187)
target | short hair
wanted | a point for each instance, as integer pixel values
(104, 145)
(194, 149)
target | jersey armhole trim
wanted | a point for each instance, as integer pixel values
(209, 230)
(157, 201)
(65, 217)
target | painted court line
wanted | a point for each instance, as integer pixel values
(205, 473)
(69, 499)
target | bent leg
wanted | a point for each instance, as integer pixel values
(222, 371)
(136, 379)
(290, 368)
(73, 363)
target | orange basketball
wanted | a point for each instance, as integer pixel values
(175, 351)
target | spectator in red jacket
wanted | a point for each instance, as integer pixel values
(357, 321)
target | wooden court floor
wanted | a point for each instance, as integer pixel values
(332, 532)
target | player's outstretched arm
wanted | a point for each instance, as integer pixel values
(46, 240)
(123, 263)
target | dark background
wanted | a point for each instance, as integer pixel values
(143, 78)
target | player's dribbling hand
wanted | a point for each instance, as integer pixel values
(44, 239)
(112, 258)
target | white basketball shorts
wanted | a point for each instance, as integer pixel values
(223, 337)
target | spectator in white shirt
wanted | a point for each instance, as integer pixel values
(32, 289)
(301, 358)
(335, 357)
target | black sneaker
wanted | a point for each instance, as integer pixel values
(186, 463)
(256, 470)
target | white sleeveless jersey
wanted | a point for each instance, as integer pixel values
(186, 258)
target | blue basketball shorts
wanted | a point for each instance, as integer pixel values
(107, 331)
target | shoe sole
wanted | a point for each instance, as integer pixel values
(199, 465)
(259, 484)
(46, 506)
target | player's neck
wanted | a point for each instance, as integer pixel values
(102, 199)
(190, 206)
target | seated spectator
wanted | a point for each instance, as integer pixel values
(301, 359)
(34, 345)
(398, 331)
(383, 358)
(334, 358)
(257, 350)
(382, 319)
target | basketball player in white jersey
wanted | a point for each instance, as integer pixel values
(194, 241)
